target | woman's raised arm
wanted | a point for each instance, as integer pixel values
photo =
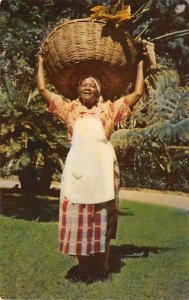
(139, 86)
(150, 59)
(56, 104)
(41, 84)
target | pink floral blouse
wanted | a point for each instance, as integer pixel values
(109, 112)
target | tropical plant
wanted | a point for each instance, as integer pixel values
(154, 151)
(32, 144)
(32, 141)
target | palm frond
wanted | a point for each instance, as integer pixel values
(171, 35)
(145, 7)
(142, 31)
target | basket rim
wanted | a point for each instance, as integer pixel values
(68, 21)
(82, 20)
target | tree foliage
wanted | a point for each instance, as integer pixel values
(154, 151)
(166, 16)
(31, 140)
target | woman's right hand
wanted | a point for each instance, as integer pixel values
(149, 53)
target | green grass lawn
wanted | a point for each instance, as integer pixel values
(149, 259)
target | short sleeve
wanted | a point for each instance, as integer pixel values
(120, 109)
(59, 107)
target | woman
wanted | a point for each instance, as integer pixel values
(90, 182)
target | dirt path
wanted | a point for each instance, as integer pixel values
(173, 199)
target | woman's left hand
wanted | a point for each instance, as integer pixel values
(149, 53)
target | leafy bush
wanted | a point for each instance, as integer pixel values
(33, 143)
(156, 166)
(154, 151)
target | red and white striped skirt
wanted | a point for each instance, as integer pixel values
(86, 228)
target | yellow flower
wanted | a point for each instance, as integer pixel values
(118, 17)
(122, 15)
(99, 8)
(99, 12)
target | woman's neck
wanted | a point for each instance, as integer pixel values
(89, 105)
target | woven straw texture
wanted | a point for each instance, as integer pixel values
(83, 46)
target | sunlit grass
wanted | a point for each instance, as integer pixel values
(149, 258)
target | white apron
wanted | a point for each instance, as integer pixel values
(88, 176)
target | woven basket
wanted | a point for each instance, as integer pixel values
(83, 46)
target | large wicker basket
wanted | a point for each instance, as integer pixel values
(83, 46)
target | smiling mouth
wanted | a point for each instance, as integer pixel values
(87, 93)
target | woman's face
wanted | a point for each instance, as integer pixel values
(88, 92)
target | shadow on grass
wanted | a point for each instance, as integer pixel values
(44, 208)
(115, 262)
(118, 253)
(125, 212)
